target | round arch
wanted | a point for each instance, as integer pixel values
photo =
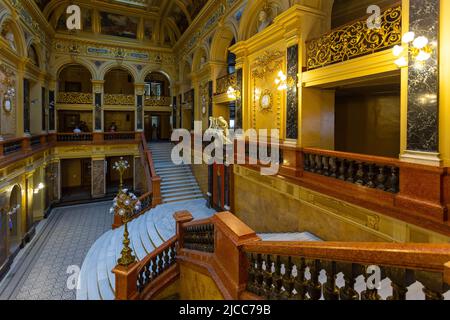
(38, 51)
(80, 76)
(61, 63)
(149, 69)
(107, 67)
(250, 16)
(19, 38)
(15, 223)
(220, 44)
(201, 52)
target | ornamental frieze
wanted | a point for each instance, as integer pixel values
(91, 50)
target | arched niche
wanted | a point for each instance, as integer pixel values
(75, 78)
(200, 59)
(15, 220)
(33, 55)
(13, 35)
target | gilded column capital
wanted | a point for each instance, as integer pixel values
(139, 88)
(97, 85)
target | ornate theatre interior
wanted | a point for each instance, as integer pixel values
(357, 90)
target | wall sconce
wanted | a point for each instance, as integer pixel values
(419, 48)
(233, 93)
(10, 212)
(283, 82)
(40, 187)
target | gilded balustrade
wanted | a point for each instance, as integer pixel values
(119, 99)
(223, 83)
(355, 39)
(157, 101)
(75, 98)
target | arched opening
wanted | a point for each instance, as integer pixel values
(157, 107)
(75, 89)
(9, 36)
(14, 219)
(119, 91)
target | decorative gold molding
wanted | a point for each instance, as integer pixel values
(269, 62)
(355, 40)
(75, 98)
(119, 99)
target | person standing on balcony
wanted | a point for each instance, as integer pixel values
(77, 130)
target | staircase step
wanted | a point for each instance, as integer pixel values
(169, 195)
(191, 197)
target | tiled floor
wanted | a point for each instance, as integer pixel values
(63, 241)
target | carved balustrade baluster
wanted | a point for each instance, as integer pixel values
(330, 290)
(268, 276)
(360, 174)
(371, 176)
(434, 286)
(350, 271)
(300, 283)
(154, 268)
(314, 285)
(306, 163)
(393, 180)
(371, 293)
(277, 280)
(333, 167)
(342, 170)
(312, 161)
(288, 280)
(401, 279)
(326, 166)
(259, 283)
(381, 179)
(351, 171)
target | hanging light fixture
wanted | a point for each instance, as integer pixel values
(419, 48)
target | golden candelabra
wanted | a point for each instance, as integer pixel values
(125, 204)
(121, 166)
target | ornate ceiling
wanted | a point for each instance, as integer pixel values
(164, 20)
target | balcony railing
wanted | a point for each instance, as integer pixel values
(75, 98)
(157, 101)
(355, 40)
(12, 147)
(74, 137)
(119, 99)
(111, 136)
(223, 83)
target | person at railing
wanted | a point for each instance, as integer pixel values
(113, 127)
(77, 130)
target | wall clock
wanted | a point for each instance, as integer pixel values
(266, 100)
(7, 105)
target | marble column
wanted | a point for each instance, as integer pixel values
(51, 107)
(292, 94)
(26, 107)
(210, 192)
(192, 93)
(98, 119)
(139, 91)
(423, 88)
(98, 178)
(174, 112)
(238, 124)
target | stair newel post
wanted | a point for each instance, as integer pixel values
(182, 217)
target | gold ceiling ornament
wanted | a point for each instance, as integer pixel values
(269, 62)
(355, 40)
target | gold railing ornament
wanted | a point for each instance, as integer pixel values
(75, 98)
(355, 39)
(224, 83)
(119, 99)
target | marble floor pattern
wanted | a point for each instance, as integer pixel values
(63, 240)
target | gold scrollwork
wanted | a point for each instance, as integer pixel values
(269, 62)
(119, 99)
(157, 101)
(355, 40)
(75, 98)
(222, 84)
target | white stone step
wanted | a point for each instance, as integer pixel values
(179, 181)
(181, 186)
(168, 195)
(183, 198)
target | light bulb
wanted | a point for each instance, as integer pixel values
(423, 56)
(401, 62)
(420, 42)
(277, 81)
(397, 50)
(408, 37)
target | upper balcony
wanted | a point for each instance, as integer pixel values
(346, 49)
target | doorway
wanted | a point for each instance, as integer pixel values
(14, 223)
(76, 179)
(157, 126)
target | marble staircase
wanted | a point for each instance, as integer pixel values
(177, 182)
